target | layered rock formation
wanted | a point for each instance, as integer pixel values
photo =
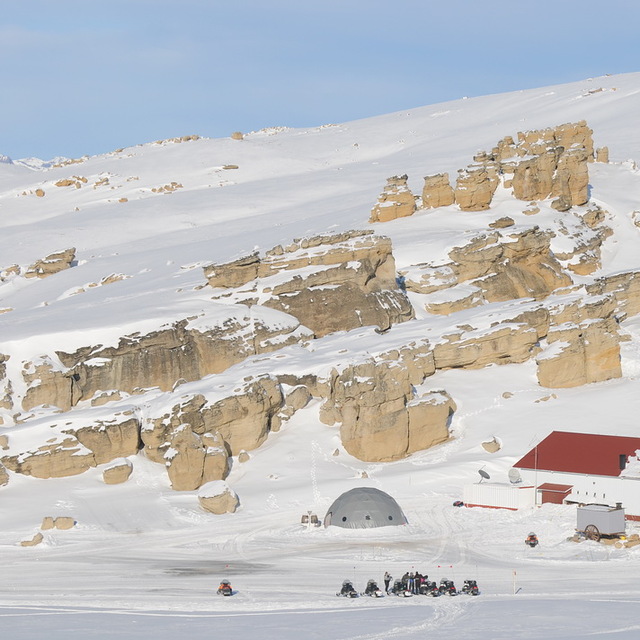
(580, 353)
(329, 283)
(545, 163)
(381, 417)
(241, 420)
(437, 192)
(53, 263)
(70, 451)
(158, 359)
(396, 201)
(493, 267)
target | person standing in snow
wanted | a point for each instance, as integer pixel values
(387, 581)
(417, 581)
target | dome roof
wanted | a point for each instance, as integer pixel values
(364, 508)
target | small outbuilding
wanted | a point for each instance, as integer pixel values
(364, 508)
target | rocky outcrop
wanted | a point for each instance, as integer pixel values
(117, 472)
(571, 179)
(396, 201)
(380, 417)
(492, 267)
(64, 523)
(32, 542)
(218, 498)
(47, 384)
(545, 163)
(335, 283)
(4, 476)
(580, 354)
(474, 188)
(116, 437)
(73, 450)
(625, 289)
(158, 359)
(65, 456)
(502, 344)
(437, 192)
(53, 263)
(185, 459)
(241, 420)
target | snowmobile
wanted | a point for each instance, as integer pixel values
(429, 588)
(471, 588)
(400, 589)
(225, 588)
(532, 540)
(447, 586)
(347, 590)
(373, 590)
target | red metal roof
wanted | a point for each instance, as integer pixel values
(559, 488)
(585, 453)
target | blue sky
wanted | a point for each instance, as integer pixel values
(81, 77)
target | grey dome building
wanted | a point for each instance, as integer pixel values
(364, 508)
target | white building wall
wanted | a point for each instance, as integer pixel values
(592, 489)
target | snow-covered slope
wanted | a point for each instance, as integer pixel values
(153, 215)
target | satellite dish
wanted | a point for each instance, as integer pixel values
(483, 475)
(514, 476)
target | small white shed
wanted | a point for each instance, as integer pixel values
(497, 495)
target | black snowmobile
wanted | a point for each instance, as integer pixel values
(471, 588)
(225, 588)
(400, 589)
(347, 590)
(532, 540)
(429, 588)
(447, 587)
(373, 590)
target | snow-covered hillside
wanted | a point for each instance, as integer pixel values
(143, 560)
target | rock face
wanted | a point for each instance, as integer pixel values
(185, 459)
(437, 192)
(75, 450)
(53, 263)
(396, 201)
(63, 457)
(380, 417)
(492, 267)
(241, 420)
(474, 189)
(580, 354)
(218, 498)
(4, 476)
(335, 283)
(163, 357)
(117, 437)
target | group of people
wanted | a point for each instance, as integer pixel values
(410, 581)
